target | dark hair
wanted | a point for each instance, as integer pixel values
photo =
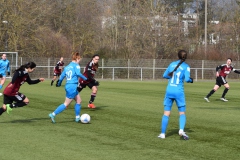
(182, 55)
(96, 64)
(95, 55)
(27, 65)
(230, 59)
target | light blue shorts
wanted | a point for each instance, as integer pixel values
(180, 101)
(71, 90)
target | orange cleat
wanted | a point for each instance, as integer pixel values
(91, 105)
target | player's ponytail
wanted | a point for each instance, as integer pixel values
(182, 55)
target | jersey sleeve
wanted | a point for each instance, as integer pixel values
(79, 74)
(29, 81)
(62, 76)
(187, 75)
(167, 71)
(8, 67)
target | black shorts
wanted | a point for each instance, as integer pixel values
(90, 85)
(220, 81)
(10, 99)
(56, 74)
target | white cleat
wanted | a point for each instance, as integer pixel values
(162, 136)
(183, 134)
(206, 99)
(223, 99)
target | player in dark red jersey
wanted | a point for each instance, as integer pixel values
(89, 72)
(11, 92)
(57, 70)
(221, 75)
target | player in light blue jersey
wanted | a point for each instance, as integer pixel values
(71, 72)
(4, 67)
(176, 73)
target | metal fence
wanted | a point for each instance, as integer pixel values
(138, 69)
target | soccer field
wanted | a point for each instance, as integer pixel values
(124, 126)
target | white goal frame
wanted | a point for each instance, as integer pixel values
(10, 57)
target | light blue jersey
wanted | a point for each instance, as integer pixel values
(4, 67)
(71, 72)
(175, 87)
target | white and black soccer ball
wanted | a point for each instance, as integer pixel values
(85, 118)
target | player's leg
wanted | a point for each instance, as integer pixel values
(165, 118)
(54, 78)
(6, 100)
(2, 81)
(77, 107)
(93, 95)
(227, 87)
(20, 101)
(69, 97)
(181, 103)
(215, 88)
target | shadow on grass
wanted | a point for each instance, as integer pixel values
(25, 120)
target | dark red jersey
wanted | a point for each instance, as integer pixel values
(59, 66)
(225, 70)
(89, 72)
(19, 78)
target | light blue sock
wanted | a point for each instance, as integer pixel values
(60, 108)
(182, 121)
(164, 123)
(1, 86)
(77, 109)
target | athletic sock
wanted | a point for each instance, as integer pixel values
(225, 92)
(60, 108)
(210, 93)
(93, 96)
(19, 104)
(1, 110)
(165, 120)
(182, 121)
(77, 109)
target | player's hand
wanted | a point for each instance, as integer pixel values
(58, 85)
(217, 74)
(78, 89)
(97, 83)
(41, 79)
(8, 73)
(191, 79)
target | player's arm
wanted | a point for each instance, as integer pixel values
(79, 74)
(29, 81)
(8, 68)
(188, 79)
(166, 73)
(236, 71)
(89, 74)
(62, 76)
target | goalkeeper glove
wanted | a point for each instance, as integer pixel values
(58, 84)
(8, 73)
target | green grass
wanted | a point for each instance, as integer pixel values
(124, 126)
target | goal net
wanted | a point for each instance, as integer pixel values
(13, 60)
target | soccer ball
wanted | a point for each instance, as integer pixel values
(85, 118)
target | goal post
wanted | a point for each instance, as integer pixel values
(13, 59)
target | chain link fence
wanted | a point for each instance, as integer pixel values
(139, 69)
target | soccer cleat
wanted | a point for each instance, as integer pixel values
(223, 99)
(8, 108)
(52, 117)
(184, 135)
(77, 120)
(206, 99)
(91, 105)
(162, 136)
